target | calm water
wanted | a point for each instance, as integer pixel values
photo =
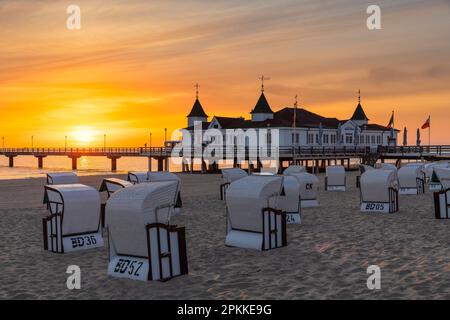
(26, 166)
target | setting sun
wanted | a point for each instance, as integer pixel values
(83, 135)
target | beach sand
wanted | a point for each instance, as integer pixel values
(326, 257)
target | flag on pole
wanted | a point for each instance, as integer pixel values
(391, 121)
(427, 123)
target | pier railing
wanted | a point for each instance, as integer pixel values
(283, 152)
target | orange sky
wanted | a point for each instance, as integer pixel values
(132, 67)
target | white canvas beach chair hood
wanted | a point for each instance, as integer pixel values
(434, 181)
(62, 178)
(138, 223)
(74, 222)
(335, 179)
(444, 177)
(411, 180)
(228, 176)
(252, 218)
(309, 189)
(294, 169)
(362, 168)
(379, 191)
(111, 185)
(290, 201)
(159, 176)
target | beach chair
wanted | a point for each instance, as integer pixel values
(362, 168)
(379, 191)
(294, 169)
(253, 220)
(289, 200)
(442, 198)
(309, 189)
(228, 176)
(411, 180)
(74, 220)
(143, 245)
(62, 178)
(136, 177)
(111, 185)
(335, 179)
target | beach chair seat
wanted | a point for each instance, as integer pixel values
(411, 180)
(74, 220)
(228, 176)
(143, 245)
(309, 189)
(62, 178)
(111, 185)
(136, 177)
(335, 179)
(289, 200)
(253, 220)
(379, 191)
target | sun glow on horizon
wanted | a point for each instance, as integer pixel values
(83, 135)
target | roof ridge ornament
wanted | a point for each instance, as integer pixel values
(196, 86)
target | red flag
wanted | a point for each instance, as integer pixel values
(427, 123)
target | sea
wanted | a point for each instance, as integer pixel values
(27, 166)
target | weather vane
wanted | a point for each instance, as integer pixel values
(359, 95)
(262, 78)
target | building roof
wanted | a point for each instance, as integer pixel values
(376, 127)
(262, 106)
(359, 113)
(197, 110)
(283, 119)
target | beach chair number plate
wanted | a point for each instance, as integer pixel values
(375, 207)
(336, 188)
(292, 218)
(129, 267)
(82, 242)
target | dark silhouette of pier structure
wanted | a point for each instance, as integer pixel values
(315, 158)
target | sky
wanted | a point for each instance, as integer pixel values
(131, 68)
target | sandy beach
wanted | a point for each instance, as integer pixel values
(326, 257)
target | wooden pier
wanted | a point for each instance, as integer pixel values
(312, 157)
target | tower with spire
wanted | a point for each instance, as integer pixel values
(197, 113)
(359, 116)
(262, 110)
